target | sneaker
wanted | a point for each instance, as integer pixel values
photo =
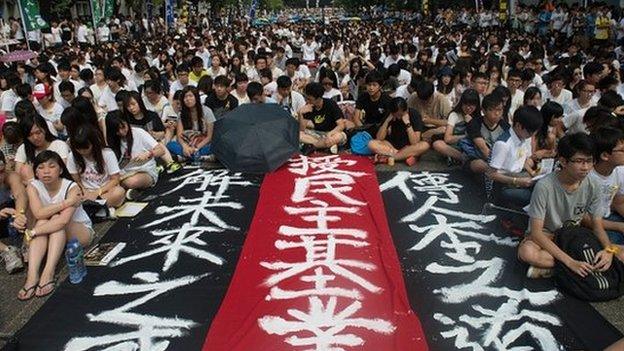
(536, 272)
(111, 213)
(132, 194)
(333, 149)
(12, 260)
(173, 167)
(160, 169)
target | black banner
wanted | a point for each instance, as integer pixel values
(463, 276)
(164, 288)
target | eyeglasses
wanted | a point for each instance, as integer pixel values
(577, 161)
(589, 91)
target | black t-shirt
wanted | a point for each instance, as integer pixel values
(221, 107)
(150, 122)
(375, 112)
(397, 130)
(325, 119)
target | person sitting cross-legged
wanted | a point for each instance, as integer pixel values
(510, 161)
(560, 202)
(321, 122)
(399, 137)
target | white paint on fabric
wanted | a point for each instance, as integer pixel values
(176, 241)
(326, 324)
(148, 331)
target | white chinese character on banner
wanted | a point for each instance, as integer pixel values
(175, 241)
(196, 207)
(222, 179)
(149, 330)
(326, 324)
(323, 164)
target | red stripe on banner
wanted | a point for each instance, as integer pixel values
(318, 270)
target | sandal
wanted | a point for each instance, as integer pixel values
(41, 287)
(28, 292)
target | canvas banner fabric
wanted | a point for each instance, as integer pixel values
(318, 270)
(463, 276)
(164, 288)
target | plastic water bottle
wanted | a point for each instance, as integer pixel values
(74, 254)
(13, 234)
(196, 159)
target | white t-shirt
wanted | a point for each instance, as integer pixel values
(90, 178)
(510, 155)
(293, 102)
(158, 107)
(609, 187)
(309, 51)
(574, 121)
(51, 115)
(564, 98)
(81, 34)
(9, 99)
(142, 142)
(58, 146)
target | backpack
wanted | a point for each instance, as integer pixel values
(582, 245)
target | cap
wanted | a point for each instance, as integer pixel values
(41, 90)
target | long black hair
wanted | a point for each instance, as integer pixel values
(137, 97)
(85, 107)
(185, 114)
(49, 155)
(115, 120)
(85, 135)
(26, 123)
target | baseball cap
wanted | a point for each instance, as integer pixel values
(41, 90)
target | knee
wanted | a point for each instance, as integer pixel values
(439, 145)
(527, 252)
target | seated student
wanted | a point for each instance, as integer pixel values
(266, 79)
(11, 140)
(467, 107)
(153, 97)
(136, 151)
(561, 200)
(55, 203)
(239, 88)
(49, 109)
(194, 129)
(483, 131)
(182, 82)
(37, 138)
(197, 69)
(138, 115)
(433, 106)
(94, 167)
(545, 141)
(13, 203)
(255, 92)
(170, 116)
(399, 135)
(510, 161)
(609, 174)
(220, 101)
(371, 110)
(68, 93)
(321, 123)
(291, 100)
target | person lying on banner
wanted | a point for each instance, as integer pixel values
(13, 213)
(136, 151)
(95, 167)
(609, 174)
(511, 165)
(559, 202)
(399, 137)
(55, 201)
(321, 122)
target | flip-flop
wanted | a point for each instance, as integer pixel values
(51, 282)
(27, 294)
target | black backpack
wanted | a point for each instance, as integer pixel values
(582, 245)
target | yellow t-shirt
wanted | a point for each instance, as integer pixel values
(195, 78)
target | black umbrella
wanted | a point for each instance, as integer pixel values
(256, 138)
